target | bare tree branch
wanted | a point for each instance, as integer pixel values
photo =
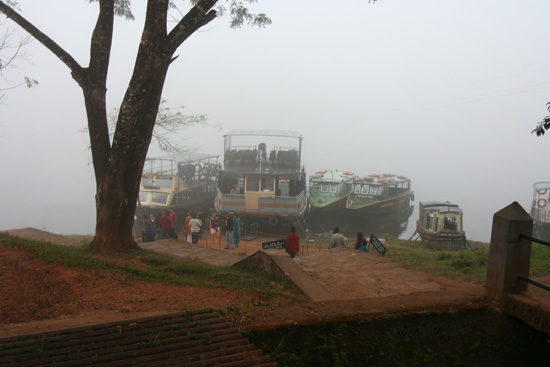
(65, 57)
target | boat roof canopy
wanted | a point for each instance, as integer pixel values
(264, 132)
(185, 157)
(332, 176)
(541, 185)
(440, 206)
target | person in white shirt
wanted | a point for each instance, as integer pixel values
(196, 225)
(337, 239)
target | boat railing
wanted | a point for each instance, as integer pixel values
(510, 253)
(526, 279)
(282, 204)
(541, 214)
(288, 205)
(160, 166)
(229, 202)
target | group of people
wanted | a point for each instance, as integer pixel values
(164, 224)
(231, 225)
(338, 240)
(161, 226)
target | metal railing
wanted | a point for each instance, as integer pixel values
(528, 280)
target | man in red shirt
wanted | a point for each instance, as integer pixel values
(165, 224)
(174, 218)
(292, 243)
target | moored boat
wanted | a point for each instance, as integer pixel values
(379, 193)
(440, 225)
(329, 190)
(183, 182)
(540, 210)
(259, 185)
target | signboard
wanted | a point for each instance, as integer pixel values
(377, 244)
(274, 245)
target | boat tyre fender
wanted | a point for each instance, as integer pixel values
(541, 203)
(273, 221)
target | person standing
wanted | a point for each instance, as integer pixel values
(236, 229)
(337, 239)
(157, 224)
(195, 225)
(215, 228)
(172, 233)
(151, 229)
(228, 226)
(187, 228)
(293, 243)
(165, 224)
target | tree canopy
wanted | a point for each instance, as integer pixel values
(543, 125)
(118, 161)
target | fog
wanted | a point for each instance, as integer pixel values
(444, 92)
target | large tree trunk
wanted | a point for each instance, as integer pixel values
(118, 166)
(116, 196)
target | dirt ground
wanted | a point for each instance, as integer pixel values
(37, 296)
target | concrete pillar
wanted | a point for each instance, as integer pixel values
(508, 255)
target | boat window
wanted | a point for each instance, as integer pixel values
(333, 187)
(324, 188)
(147, 181)
(159, 198)
(268, 184)
(143, 196)
(373, 190)
(164, 182)
(450, 223)
(357, 189)
(365, 189)
(252, 184)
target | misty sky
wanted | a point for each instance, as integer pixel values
(445, 92)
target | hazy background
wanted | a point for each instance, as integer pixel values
(445, 92)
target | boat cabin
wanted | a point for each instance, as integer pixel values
(440, 225)
(256, 183)
(178, 181)
(381, 185)
(440, 217)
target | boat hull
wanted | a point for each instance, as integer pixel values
(388, 205)
(450, 241)
(333, 206)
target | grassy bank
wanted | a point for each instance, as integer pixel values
(153, 267)
(466, 265)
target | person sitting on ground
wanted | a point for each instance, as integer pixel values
(361, 243)
(293, 243)
(337, 240)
